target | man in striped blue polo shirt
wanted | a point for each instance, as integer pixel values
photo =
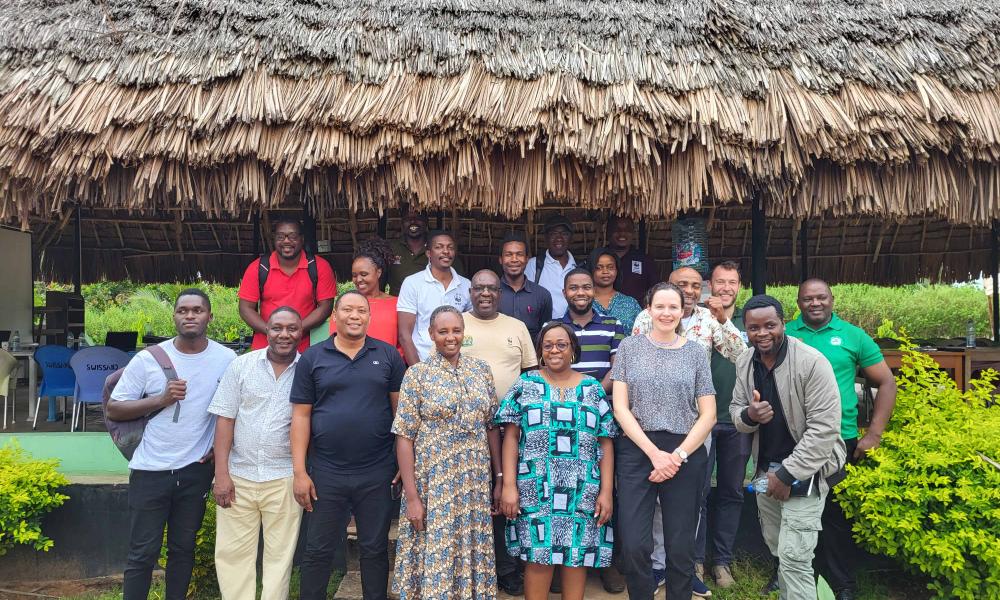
(599, 337)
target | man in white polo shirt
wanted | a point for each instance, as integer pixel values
(550, 270)
(422, 292)
(253, 464)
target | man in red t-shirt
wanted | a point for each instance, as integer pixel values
(293, 278)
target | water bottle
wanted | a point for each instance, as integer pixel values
(970, 334)
(15, 341)
(69, 339)
(759, 485)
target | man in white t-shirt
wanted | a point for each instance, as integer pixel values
(422, 292)
(171, 470)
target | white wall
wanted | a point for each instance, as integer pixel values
(15, 282)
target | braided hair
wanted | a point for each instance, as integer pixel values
(380, 253)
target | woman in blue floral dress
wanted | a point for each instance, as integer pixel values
(558, 469)
(607, 300)
(445, 442)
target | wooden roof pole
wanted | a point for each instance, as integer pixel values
(804, 249)
(78, 247)
(758, 246)
(994, 267)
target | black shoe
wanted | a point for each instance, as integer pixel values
(772, 585)
(512, 584)
(612, 580)
(844, 594)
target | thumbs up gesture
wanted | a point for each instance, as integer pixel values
(760, 411)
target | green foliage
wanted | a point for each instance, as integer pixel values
(930, 495)
(28, 491)
(924, 311)
(204, 584)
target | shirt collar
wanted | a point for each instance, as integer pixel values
(528, 287)
(429, 276)
(329, 345)
(570, 263)
(303, 261)
(595, 318)
(835, 323)
(262, 358)
(782, 352)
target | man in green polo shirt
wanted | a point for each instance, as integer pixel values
(411, 251)
(848, 348)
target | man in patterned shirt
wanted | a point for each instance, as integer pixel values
(714, 330)
(253, 464)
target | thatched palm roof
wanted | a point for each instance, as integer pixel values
(842, 107)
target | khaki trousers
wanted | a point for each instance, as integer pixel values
(271, 504)
(790, 530)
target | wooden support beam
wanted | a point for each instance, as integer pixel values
(843, 235)
(758, 250)
(215, 234)
(142, 230)
(819, 237)
(923, 235)
(178, 231)
(878, 246)
(804, 244)
(121, 238)
(97, 234)
(895, 233)
(78, 247)
(994, 268)
(352, 221)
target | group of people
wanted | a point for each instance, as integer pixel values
(531, 425)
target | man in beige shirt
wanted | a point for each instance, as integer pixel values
(504, 343)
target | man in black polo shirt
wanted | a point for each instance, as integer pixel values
(345, 392)
(522, 298)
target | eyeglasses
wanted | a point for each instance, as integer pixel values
(560, 346)
(479, 289)
(291, 237)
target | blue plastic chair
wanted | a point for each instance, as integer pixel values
(58, 379)
(92, 366)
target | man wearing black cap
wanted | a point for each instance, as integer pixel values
(550, 270)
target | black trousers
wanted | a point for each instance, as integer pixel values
(506, 564)
(175, 499)
(836, 552)
(368, 497)
(681, 498)
(729, 454)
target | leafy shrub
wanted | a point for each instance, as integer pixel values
(204, 583)
(930, 495)
(28, 491)
(924, 311)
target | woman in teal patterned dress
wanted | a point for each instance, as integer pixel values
(445, 442)
(558, 469)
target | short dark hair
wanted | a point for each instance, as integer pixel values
(194, 292)
(574, 343)
(663, 286)
(287, 309)
(444, 308)
(597, 254)
(577, 271)
(764, 301)
(286, 221)
(336, 303)
(728, 265)
(512, 237)
(438, 233)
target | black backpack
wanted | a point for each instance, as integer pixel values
(264, 268)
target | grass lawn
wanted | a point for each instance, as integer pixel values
(157, 592)
(750, 576)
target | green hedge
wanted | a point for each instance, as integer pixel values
(930, 494)
(28, 491)
(924, 311)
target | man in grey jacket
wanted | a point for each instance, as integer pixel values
(786, 395)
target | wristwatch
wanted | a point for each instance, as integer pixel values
(681, 453)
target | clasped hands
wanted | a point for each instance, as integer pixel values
(665, 466)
